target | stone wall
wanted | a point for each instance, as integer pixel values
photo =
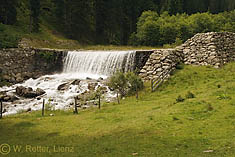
(141, 58)
(214, 48)
(17, 65)
(161, 61)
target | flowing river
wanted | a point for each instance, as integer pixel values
(89, 69)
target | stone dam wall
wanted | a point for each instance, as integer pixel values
(214, 49)
(17, 65)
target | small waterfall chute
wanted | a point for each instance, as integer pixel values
(98, 62)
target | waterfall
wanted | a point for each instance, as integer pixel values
(78, 65)
(98, 62)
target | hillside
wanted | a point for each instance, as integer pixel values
(155, 125)
(75, 24)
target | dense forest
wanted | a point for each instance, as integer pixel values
(120, 22)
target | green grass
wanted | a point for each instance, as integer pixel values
(155, 125)
(48, 37)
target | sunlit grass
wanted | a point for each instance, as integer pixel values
(155, 125)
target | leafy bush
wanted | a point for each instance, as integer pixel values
(49, 106)
(147, 29)
(180, 99)
(126, 83)
(135, 83)
(190, 95)
(118, 82)
(155, 30)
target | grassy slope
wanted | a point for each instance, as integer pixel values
(153, 126)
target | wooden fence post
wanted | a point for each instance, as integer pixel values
(43, 107)
(118, 98)
(99, 101)
(1, 110)
(75, 106)
(151, 85)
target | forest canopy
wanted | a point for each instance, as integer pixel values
(121, 22)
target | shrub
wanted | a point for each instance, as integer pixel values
(190, 95)
(126, 83)
(49, 106)
(156, 30)
(118, 82)
(201, 22)
(179, 99)
(135, 83)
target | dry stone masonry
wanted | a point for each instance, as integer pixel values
(17, 65)
(161, 61)
(214, 49)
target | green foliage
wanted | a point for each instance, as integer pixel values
(175, 29)
(8, 39)
(126, 83)
(135, 82)
(189, 95)
(224, 96)
(118, 82)
(185, 129)
(34, 16)
(180, 99)
(201, 22)
(47, 55)
(49, 106)
(8, 11)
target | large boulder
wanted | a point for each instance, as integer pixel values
(64, 86)
(20, 90)
(40, 91)
(29, 92)
(76, 82)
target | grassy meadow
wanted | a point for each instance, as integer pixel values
(155, 125)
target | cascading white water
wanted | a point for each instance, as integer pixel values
(77, 65)
(103, 63)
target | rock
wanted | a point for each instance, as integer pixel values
(76, 82)
(4, 110)
(26, 92)
(29, 110)
(6, 99)
(40, 91)
(88, 78)
(20, 90)
(91, 86)
(29, 93)
(6, 77)
(64, 86)
(13, 98)
(101, 78)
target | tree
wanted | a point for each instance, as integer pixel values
(135, 83)
(148, 29)
(119, 83)
(202, 23)
(8, 13)
(34, 16)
